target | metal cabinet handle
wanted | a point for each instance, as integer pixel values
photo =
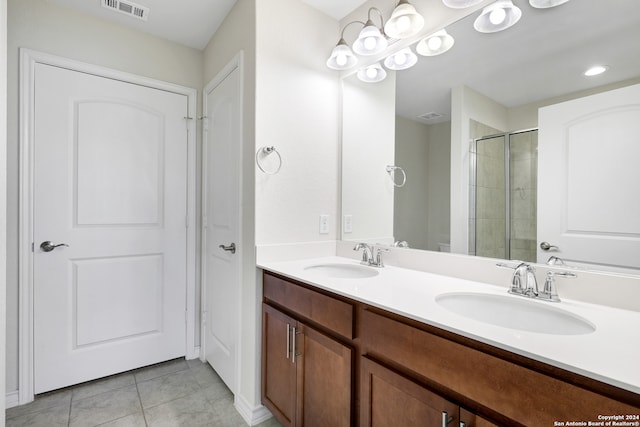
(446, 419)
(294, 351)
(231, 248)
(545, 246)
(288, 339)
(47, 246)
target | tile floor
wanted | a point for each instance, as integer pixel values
(176, 393)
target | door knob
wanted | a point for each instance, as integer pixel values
(231, 248)
(545, 246)
(47, 246)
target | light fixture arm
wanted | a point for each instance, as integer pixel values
(381, 19)
(345, 27)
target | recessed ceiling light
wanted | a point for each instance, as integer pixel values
(594, 71)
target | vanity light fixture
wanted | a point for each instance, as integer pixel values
(544, 4)
(342, 57)
(401, 60)
(497, 16)
(460, 4)
(435, 44)
(404, 22)
(371, 40)
(596, 70)
(372, 74)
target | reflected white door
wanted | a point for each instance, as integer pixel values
(110, 182)
(588, 204)
(221, 224)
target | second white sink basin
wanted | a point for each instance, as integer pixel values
(515, 312)
(343, 271)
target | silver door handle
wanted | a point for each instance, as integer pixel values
(231, 248)
(47, 246)
(545, 246)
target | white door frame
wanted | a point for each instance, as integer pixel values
(236, 62)
(28, 60)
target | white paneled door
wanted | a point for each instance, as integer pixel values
(222, 250)
(588, 204)
(110, 197)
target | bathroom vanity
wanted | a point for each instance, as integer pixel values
(350, 350)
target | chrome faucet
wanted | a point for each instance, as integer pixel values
(367, 255)
(367, 252)
(524, 281)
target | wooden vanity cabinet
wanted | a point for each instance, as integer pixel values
(507, 388)
(360, 365)
(306, 373)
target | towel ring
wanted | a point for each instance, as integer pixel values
(391, 170)
(265, 151)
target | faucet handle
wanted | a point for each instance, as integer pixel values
(379, 262)
(549, 292)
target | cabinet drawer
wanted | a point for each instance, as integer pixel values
(522, 394)
(331, 313)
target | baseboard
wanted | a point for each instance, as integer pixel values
(252, 415)
(12, 399)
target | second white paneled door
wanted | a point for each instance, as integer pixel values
(110, 186)
(221, 241)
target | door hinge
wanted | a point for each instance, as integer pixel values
(32, 247)
(186, 221)
(203, 317)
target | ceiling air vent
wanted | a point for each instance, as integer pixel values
(430, 116)
(127, 7)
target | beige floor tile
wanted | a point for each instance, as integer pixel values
(105, 407)
(166, 388)
(50, 417)
(155, 371)
(193, 410)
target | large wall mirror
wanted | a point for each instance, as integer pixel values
(464, 127)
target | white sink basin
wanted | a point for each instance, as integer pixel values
(343, 271)
(516, 312)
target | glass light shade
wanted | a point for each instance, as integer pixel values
(460, 4)
(370, 41)
(401, 60)
(372, 74)
(342, 58)
(435, 44)
(544, 4)
(404, 22)
(497, 16)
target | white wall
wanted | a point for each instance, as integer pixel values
(368, 135)
(297, 113)
(438, 185)
(3, 198)
(43, 26)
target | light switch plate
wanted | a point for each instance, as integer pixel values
(347, 224)
(324, 224)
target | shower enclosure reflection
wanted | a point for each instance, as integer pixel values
(503, 194)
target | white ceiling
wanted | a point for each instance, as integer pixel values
(337, 9)
(188, 22)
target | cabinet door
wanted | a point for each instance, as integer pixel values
(324, 380)
(278, 369)
(468, 419)
(389, 399)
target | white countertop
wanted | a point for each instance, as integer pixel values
(611, 354)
